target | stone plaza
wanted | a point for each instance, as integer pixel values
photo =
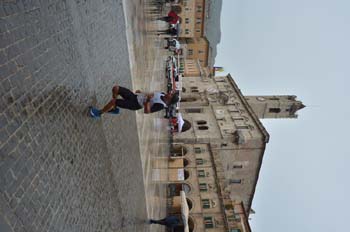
(61, 170)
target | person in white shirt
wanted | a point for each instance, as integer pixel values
(150, 102)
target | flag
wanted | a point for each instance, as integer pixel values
(218, 69)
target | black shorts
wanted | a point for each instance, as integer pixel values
(129, 100)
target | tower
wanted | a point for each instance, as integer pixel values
(281, 106)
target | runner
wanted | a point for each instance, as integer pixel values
(150, 102)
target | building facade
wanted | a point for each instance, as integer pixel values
(197, 49)
(217, 162)
(192, 18)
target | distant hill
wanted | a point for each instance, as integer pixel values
(212, 27)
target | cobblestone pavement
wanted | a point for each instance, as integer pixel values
(60, 170)
(148, 67)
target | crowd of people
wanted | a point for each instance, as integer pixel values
(124, 98)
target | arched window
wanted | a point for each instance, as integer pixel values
(187, 174)
(189, 203)
(185, 162)
(180, 228)
(186, 188)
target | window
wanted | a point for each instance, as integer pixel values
(242, 127)
(187, 31)
(198, 21)
(187, 174)
(199, 161)
(187, 20)
(189, 203)
(190, 52)
(201, 122)
(178, 150)
(237, 166)
(193, 110)
(238, 120)
(186, 188)
(235, 230)
(188, 99)
(203, 187)
(235, 181)
(197, 150)
(199, 9)
(208, 222)
(201, 173)
(194, 90)
(203, 128)
(205, 203)
(274, 110)
(189, 41)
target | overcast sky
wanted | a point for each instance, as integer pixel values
(298, 47)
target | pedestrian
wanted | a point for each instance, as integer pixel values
(178, 124)
(173, 45)
(172, 17)
(169, 221)
(150, 102)
(171, 31)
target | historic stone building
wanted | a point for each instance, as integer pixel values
(217, 162)
(197, 49)
(192, 15)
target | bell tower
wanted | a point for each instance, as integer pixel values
(279, 106)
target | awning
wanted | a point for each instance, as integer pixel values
(184, 211)
(180, 122)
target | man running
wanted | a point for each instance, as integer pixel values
(150, 102)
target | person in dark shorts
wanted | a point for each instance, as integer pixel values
(169, 221)
(172, 31)
(150, 102)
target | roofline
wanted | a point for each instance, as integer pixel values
(263, 130)
(203, 18)
(246, 216)
(256, 178)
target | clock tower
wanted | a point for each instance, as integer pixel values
(280, 106)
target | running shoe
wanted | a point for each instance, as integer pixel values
(94, 113)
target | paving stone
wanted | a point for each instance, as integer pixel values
(57, 58)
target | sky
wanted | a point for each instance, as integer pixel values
(298, 47)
